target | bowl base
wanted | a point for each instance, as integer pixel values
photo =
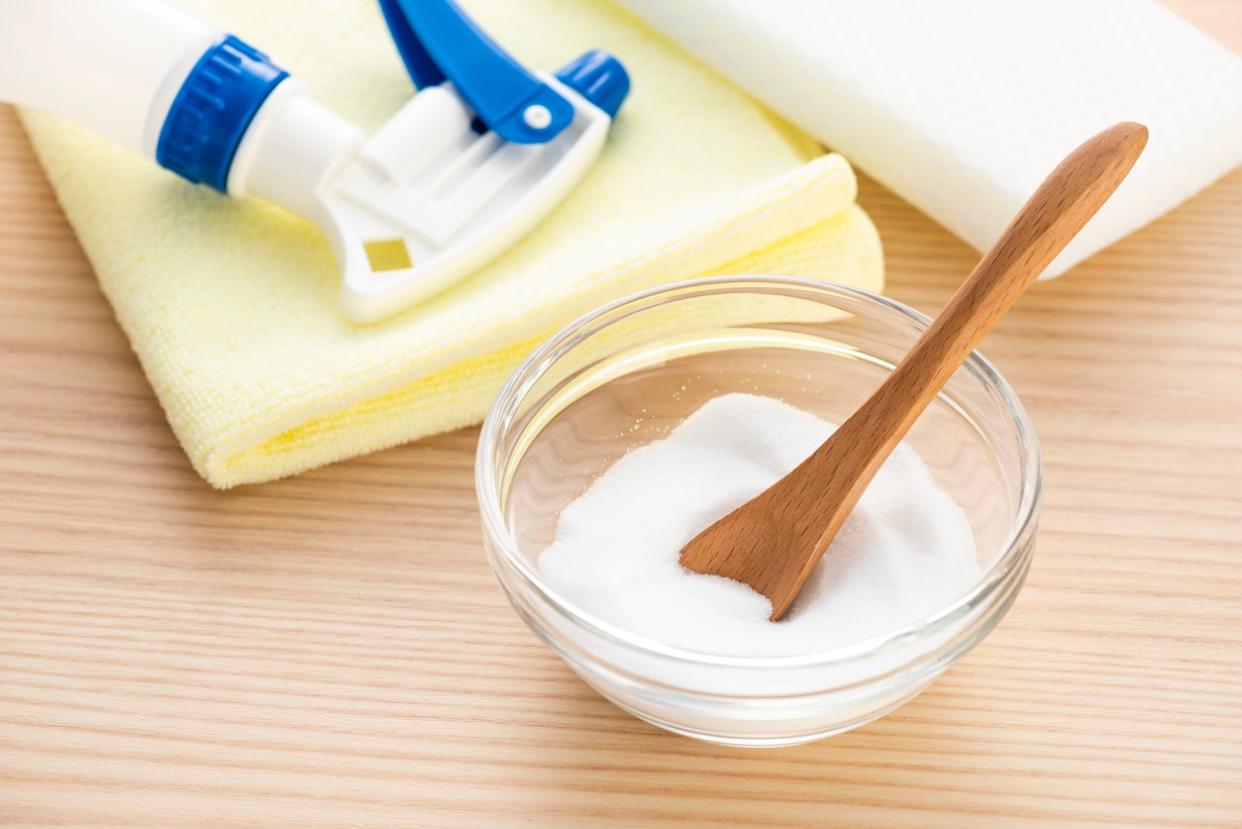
(748, 741)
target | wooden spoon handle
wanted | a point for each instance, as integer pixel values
(774, 541)
(1068, 197)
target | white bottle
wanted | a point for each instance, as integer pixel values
(428, 199)
(118, 66)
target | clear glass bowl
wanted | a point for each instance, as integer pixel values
(629, 372)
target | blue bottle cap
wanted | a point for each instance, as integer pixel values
(212, 110)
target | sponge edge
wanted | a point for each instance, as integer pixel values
(963, 107)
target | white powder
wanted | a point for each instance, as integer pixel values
(906, 551)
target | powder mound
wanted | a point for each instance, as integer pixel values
(906, 550)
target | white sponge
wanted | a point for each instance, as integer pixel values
(962, 107)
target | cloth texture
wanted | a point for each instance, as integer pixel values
(962, 107)
(230, 304)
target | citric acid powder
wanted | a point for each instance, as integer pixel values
(906, 551)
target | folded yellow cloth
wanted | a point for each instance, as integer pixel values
(231, 304)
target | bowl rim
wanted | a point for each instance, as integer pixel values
(524, 377)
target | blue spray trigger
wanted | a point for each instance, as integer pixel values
(438, 42)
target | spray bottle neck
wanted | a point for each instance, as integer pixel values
(293, 146)
(211, 112)
(241, 125)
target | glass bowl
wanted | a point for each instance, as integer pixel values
(626, 374)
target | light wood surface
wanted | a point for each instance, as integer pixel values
(774, 541)
(332, 651)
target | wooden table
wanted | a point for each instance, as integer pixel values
(332, 650)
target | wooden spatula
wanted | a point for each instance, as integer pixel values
(774, 541)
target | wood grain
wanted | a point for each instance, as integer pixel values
(332, 651)
(774, 541)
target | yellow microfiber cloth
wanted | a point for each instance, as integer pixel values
(231, 304)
